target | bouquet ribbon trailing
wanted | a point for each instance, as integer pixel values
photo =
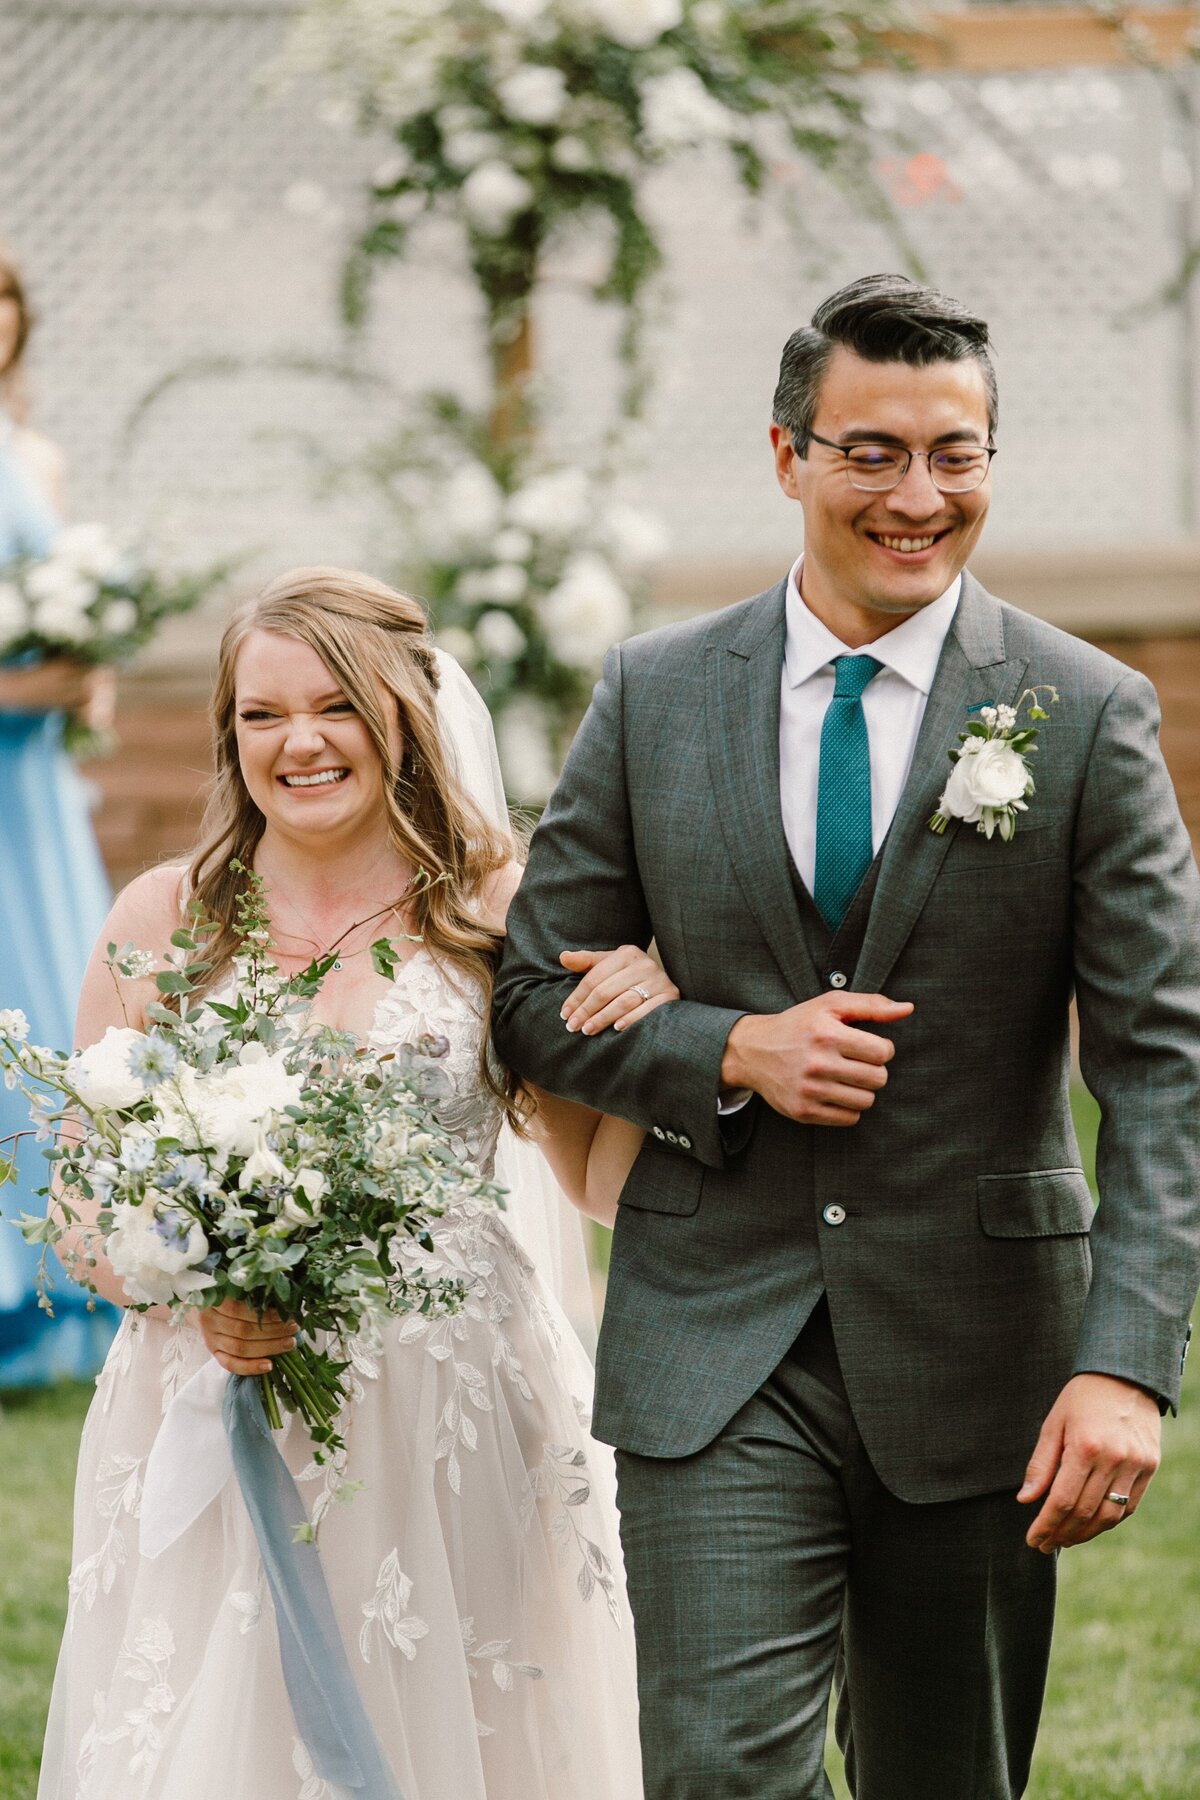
(326, 1703)
(216, 1427)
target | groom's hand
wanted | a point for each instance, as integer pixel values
(814, 1063)
(1102, 1436)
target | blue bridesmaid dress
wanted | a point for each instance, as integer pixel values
(53, 901)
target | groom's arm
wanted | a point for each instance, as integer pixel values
(582, 889)
(1137, 974)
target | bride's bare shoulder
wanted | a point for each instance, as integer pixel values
(152, 906)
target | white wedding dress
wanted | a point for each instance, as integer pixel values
(476, 1576)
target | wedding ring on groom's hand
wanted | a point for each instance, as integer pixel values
(1118, 1499)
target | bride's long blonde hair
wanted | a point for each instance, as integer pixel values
(375, 642)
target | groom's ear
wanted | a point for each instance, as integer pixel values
(788, 464)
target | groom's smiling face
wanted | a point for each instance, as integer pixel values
(873, 558)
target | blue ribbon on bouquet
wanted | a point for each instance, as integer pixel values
(326, 1703)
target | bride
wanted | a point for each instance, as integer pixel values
(476, 1575)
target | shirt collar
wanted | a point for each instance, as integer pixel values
(911, 649)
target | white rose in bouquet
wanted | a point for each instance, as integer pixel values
(678, 111)
(103, 1075)
(534, 94)
(310, 1186)
(155, 1249)
(227, 1108)
(587, 612)
(262, 1168)
(635, 23)
(492, 196)
(987, 774)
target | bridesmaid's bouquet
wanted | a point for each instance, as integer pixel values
(235, 1152)
(92, 599)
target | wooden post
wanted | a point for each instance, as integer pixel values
(1003, 39)
(512, 367)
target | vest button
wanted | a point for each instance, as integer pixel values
(837, 979)
(833, 1214)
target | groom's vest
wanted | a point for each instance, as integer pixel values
(835, 954)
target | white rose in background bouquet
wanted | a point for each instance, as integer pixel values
(233, 1152)
(90, 599)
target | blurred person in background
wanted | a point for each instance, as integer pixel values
(53, 891)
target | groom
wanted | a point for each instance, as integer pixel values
(868, 1358)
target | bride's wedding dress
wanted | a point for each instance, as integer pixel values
(475, 1576)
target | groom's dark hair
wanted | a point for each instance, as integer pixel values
(882, 318)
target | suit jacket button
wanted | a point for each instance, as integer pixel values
(837, 979)
(658, 1132)
(685, 1143)
(833, 1214)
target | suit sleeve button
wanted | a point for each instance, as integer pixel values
(672, 1138)
(659, 1133)
(685, 1143)
(833, 1214)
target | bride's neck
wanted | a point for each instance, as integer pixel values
(332, 880)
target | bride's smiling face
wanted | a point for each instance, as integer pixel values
(308, 759)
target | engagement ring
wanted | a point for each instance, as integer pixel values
(644, 992)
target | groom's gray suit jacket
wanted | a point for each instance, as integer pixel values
(968, 1279)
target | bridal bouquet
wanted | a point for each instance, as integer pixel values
(236, 1153)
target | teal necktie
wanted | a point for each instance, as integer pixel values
(844, 848)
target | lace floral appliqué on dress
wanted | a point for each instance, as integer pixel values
(475, 1572)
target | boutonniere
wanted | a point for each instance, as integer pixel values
(991, 780)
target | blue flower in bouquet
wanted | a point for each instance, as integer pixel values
(153, 1060)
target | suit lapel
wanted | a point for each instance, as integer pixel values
(972, 671)
(745, 674)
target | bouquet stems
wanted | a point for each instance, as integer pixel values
(308, 1382)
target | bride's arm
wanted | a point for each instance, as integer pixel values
(591, 1153)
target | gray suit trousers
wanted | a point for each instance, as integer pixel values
(775, 1556)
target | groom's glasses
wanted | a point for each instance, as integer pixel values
(954, 469)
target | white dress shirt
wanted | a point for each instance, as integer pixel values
(893, 706)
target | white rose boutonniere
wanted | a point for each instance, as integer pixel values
(991, 781)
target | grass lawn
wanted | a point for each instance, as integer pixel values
(1122, 1719)
(39, 1438)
